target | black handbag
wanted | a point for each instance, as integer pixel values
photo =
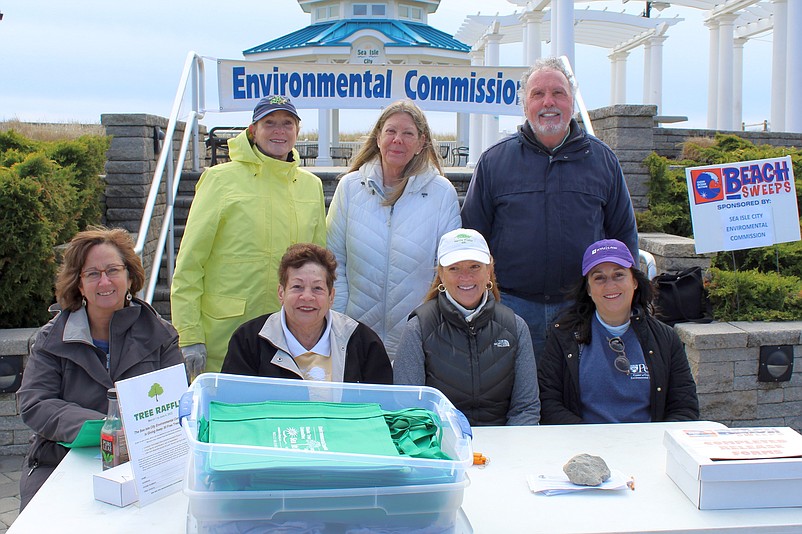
(681, 297)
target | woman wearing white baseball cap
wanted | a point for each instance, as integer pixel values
(467, 344)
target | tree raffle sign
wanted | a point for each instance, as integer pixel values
(743, 205)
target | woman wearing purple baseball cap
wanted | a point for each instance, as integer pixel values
(467, 344)
(607, 359)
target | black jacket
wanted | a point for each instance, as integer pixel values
(673, 391)
(258, 348)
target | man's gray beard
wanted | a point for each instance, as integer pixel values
(560, 128)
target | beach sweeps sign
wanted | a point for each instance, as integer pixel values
(468, 89)
(743, 205)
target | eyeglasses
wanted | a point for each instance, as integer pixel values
(112, 271)
(621, 361)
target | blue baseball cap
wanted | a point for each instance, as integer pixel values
(272, 103)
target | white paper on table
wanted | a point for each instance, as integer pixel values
(156, 442)
(558, 483)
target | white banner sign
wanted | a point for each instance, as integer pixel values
(490, 90)
(743, 205)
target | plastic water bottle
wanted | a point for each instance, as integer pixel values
(113, 448)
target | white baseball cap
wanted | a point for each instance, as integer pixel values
(460, 245)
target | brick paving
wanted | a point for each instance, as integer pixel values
(10, 470)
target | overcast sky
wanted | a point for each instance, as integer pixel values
(73, 60)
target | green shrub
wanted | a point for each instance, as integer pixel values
(48, 192)
(754, 296)
(783, 258)
(27, 266)
(668, 199)
(86, 156)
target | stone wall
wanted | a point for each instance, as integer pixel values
(668, 141)
(14, 435)
(724, 359)
(672, 252)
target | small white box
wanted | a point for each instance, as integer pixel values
(719, 484)
(116, 485)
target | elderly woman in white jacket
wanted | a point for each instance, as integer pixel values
(385, 222)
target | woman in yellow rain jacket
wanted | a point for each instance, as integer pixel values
(244, 216)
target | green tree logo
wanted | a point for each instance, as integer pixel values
(155, 390)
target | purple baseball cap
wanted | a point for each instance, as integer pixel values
(611, 250)
(272, 103)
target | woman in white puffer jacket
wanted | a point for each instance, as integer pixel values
(385, 222)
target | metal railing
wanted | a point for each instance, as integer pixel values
(580, 102)
(193, 76)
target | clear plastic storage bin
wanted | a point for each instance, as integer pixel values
(330, 469)
(426, 508)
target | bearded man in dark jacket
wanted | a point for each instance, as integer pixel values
(542, 195)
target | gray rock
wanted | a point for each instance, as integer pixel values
(586, 470)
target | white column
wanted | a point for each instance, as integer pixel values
(618, 78)
(725, 51)
(613, 80)
(647, 72)
(491, 122)
(793, 82)
(323, 138)
(335, 126)
(475, 139)
(562, 30)
(554, 30)
(712, 76)
(737, 82)
(531, 32)
(463, 129)
(779, 43)
(656, 73)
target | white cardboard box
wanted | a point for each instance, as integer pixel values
(752, 481)
(116, 485)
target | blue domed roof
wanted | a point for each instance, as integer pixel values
(401, 34)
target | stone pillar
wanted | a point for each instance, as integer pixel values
(629, 131)
(130, 164)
